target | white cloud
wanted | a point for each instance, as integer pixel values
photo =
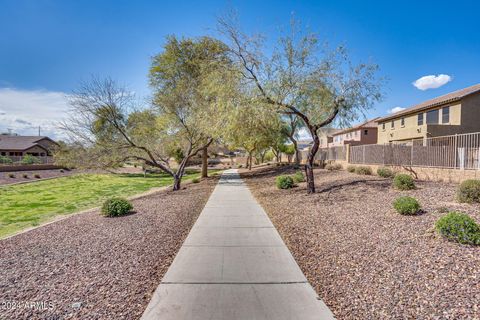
(432, 81)
(25, 110)
(396, 109)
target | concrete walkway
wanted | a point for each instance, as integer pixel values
(234, 265)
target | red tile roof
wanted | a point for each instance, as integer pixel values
(450, 97)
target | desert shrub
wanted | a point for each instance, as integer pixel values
(403, 181)
(363, 170)
(11, 175)
(116, 207)
(240, 166)
(62, 171)
(285, 182)
(36, 176)
(469, 191)
(5, 160)
(298, 177)
(351, 169)
(459, 227)
(196, 180)
(406, 205)
(333, 166)
(385, 172)
(25, 176)
(29, 159)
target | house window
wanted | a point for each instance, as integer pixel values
(383, 126)
(446, 115)
(4, 153)
(420, 119)
(393, 124)
(402, 122)
(365, 132)
(432, 116)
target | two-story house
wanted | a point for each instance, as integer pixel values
(364, 133)
(453, 113)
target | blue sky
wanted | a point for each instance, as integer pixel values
(47, 47)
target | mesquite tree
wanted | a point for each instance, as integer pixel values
(318, 86)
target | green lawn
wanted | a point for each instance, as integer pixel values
(26, 205)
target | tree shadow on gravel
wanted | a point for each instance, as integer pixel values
(375, 183)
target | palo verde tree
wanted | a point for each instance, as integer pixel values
(299, 78)
(182, 78)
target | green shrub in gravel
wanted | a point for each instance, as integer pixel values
(298, 177)
(469, 191)
(406, 205)
(363, 170)
(285, 182)
(459, 227)
(351, 169)
(11, 175)
(385, 172)
(403, 181)
(333, 166)
(36, 176)
(25, 176)
(116, 207)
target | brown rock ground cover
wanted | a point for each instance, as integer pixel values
(365, 260)
(92, 267)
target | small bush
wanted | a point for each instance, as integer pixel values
(385, 172)
(11, 175)
(196, 180)
(240, 166)
(406, 205)
(351, 169)
(363, 170)
(298, 177)
(61, 171)
(25, 176)
(5, 160)
(29, 159)
(469, 191)
(116, 207)
(37, 176)
(285, 182)
(403, 181)
(333, 166)
(459, 227)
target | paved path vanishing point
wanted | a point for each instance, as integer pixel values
(234, 265)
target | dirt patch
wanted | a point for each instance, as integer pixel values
(365, 260)
(91, 267)
(19, 176)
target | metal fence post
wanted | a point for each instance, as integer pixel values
(411, 154)
(455, 146)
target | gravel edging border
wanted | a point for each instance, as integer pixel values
(63, 217)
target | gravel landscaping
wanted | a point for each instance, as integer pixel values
(93, 267)
(364, 259)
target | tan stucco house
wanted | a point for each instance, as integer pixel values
(18, 146)
(453, 113)
(364, 133)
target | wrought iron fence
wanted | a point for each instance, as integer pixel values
(461, 151)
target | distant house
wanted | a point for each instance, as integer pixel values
(324, 135)
(364, 133)
(453, 113)
(18, 146)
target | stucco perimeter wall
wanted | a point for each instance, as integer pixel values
(422, 173)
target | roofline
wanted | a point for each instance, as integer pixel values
(32, 146)
(409, 112)
(433, 105)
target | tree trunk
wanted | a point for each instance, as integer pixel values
(205, 162)
(177, 179)
(250, 159)
(310, 159)
(298, 154)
